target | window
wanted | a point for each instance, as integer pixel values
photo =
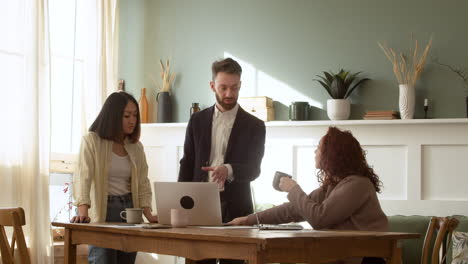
(75, 45)
(68, 41)
(66, 75)
(12, 64)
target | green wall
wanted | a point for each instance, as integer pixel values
(283, 44)
(132, 45)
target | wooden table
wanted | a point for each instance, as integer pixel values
(305, 246)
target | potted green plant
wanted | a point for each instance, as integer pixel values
(340, 86)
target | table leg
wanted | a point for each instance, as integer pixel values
(189, 261)
(258, 258)
(396, 254)
(70, 249)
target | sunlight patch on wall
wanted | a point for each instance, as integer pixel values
(258, 83)
(278, 156)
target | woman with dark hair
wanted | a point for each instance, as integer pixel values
(112, 173)
(345, 200)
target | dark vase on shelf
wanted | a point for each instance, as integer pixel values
(164, 107)
(299, 111)
(466, 106)
(195, 108)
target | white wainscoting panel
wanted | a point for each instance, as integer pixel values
(390, 164)
(445, 172)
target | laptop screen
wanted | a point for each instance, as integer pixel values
(200, 200)
(254, 205)
(269, 226)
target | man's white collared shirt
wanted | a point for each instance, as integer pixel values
(220, 133)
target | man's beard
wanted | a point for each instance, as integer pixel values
(226, 106)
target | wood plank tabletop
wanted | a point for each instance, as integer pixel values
(251, 235)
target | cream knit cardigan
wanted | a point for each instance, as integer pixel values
(90, 180)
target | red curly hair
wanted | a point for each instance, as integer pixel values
(341, 155)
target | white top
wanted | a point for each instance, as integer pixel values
(120, 173)
(220, 133)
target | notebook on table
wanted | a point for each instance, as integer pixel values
(271, 226)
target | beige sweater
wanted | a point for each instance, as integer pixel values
(90, 178)
(351, 205)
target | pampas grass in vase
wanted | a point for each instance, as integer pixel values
(164, 112)
(407, 69)
(167, 78)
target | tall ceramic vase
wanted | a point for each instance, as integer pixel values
(406, 101)
(143, 106)
(164, 107)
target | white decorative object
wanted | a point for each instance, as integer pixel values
(338, 109)
(459, 247)
(406, 101)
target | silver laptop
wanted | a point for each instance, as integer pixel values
(200, 199)
(270, 226)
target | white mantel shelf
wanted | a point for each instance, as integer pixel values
(340, 123)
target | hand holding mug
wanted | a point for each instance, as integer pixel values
(286, 184)
(276, 179)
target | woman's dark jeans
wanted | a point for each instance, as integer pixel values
(115, 205)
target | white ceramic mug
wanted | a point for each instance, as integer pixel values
(179, 218)
(132, 215)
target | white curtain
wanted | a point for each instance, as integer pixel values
(25, 77)
(109, 40)
(100, 20)
(25, 129)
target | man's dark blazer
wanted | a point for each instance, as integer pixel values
(244, 152)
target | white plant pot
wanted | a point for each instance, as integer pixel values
(406, 101)
(338, 109)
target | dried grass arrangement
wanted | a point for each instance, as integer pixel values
(167, 78)
(460, 71)
(407, 67)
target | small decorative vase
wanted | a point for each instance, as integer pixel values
(143, 106)
(164, 107)
(299, 111)
(195, 108)
(406, 101)
(338, 109)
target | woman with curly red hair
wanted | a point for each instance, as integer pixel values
(346, 198)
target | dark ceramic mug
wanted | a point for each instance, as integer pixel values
(277, 178)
